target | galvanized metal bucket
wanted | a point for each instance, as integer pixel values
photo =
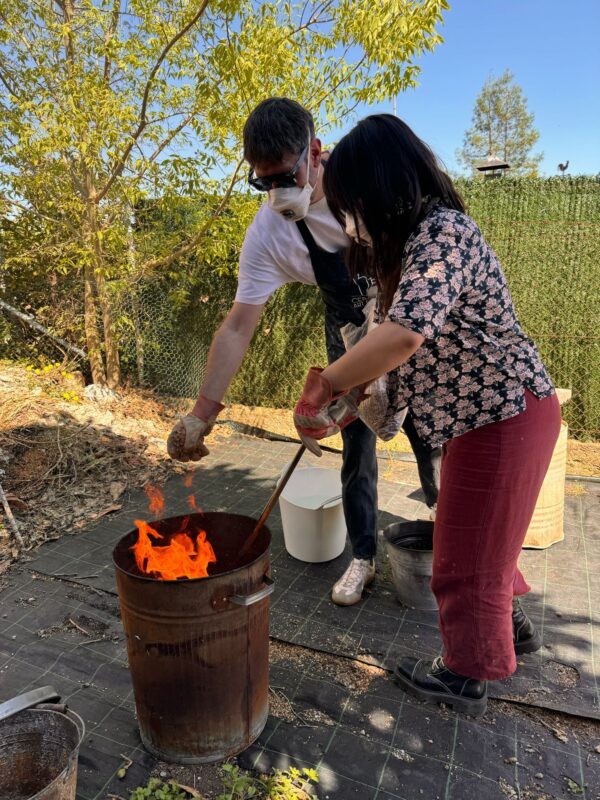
(410, 550)
(39, 747)
(199, 649)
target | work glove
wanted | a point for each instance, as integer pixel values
(320, 413)
(186, 440)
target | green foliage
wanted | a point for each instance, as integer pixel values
(502, 126)
(106, 107)
(54, 379)
(573, 787)
(289, 784)
(292, 326)
(545, 232)
(36, 279)
(158, 790)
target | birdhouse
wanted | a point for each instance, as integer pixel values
(492, 167)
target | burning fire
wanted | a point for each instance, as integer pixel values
(157, 501)
(186, 554)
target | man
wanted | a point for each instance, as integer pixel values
(295, 237)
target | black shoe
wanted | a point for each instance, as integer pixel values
(525, 637)
(433, 682)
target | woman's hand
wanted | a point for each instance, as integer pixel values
(326, 406)
(320, 412)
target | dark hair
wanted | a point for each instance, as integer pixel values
(276, 128)
(382, 172)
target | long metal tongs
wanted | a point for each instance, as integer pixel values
(274, 498)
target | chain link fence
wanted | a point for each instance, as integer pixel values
(546, 233)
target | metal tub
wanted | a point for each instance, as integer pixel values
(38, 754)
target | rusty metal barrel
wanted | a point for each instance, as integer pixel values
(199, 649)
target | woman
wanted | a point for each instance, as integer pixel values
(457, 356)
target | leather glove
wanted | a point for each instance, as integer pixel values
(186, 440)
(320, 413)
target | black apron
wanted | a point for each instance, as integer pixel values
(344, 297)
(344, 300)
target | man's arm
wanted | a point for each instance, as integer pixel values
(228, 348)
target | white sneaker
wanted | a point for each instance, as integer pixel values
(348, 590)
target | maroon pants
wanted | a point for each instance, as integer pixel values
(490, 481)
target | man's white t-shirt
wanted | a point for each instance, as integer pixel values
(274, 252)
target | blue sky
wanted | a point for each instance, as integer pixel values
(553, 49)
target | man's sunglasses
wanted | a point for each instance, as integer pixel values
(283, 180)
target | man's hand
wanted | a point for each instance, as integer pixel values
(186, 440)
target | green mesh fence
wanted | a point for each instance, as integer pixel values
(546, 233)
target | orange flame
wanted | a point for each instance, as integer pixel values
(188, 480)
(185, 554)
(182, 557)
(192, 503)
(157, 501)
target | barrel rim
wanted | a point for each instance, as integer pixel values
(406, 543)
(187, 581)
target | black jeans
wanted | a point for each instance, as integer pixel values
(429, 461)
(359, 462)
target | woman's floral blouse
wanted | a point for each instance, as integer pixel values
(476, 361)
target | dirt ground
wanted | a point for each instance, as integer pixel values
(583, 458)
(67, 460)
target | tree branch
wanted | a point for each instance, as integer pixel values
(45, 86)
(68, 11)
(112, 29)
(165, 143)
(336, 86)
(31, 208)
(13, 312)
(236, 67)
(120, 163)
(307, 26)
(195, 240)
(7, 81)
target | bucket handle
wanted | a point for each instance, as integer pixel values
(329, 503)
(79, 723)
(45, 694)
(250, 599)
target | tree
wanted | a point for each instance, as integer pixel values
(502, 126)
(104, 103)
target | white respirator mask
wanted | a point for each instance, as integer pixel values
(359, 233)
(293, 202)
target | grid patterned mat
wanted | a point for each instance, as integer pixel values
(374, 744)
(367, 740)
(239, 477)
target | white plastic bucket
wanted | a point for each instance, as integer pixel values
(314, 528)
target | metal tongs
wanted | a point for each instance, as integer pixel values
(274, 497)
